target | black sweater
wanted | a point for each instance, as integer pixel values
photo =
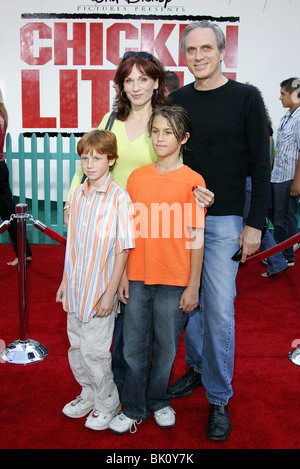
(230, 140)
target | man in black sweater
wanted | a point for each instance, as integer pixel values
(229, 141)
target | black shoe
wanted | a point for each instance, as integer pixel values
(219, 425)
(269, 275)
(185, 385)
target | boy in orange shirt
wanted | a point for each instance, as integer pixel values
(163, 271)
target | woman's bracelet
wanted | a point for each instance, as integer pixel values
(66, 207)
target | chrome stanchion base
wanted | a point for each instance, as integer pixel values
(24, 352)
(294, 356)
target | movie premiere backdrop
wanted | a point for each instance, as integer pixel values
(58, 58)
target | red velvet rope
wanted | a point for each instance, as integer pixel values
(4, 226)
(57, 237)
(51, 233)
(275, 249)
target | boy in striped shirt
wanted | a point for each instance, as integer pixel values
(285, 177)
(99, 236)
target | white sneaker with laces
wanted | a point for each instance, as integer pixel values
(165, 417)
(122, 424)
(78, 408)
(99, 421)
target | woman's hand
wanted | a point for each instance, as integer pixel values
(204, 197)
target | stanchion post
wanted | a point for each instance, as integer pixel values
(21, 210)
(24, 350)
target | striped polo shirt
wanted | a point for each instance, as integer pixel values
(287, 147)
(100, 227)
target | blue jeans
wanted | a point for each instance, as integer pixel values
(283, 213)
(193, 338)
(152, 326)
(276, 263)
(118, 362)
(215, 356)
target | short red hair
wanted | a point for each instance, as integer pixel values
(102, 141)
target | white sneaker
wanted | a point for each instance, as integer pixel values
(122, 424)
(78, 408)
(165, 418)
(99, 421)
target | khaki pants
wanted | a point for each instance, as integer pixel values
(90, 360)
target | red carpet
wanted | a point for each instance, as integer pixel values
(265, 406)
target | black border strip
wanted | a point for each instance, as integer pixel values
(52, 134)
(228, 19)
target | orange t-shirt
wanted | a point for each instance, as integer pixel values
(165, 208)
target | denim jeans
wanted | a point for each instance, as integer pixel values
(118, 361)
(152, 326)
(193, 338)
(276, 263)
(283, 213)
(215, 356)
